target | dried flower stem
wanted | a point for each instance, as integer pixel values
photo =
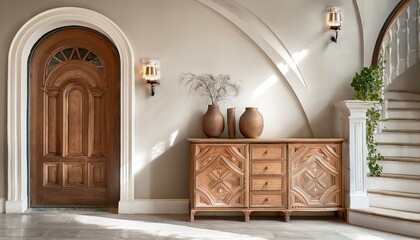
(214, 88)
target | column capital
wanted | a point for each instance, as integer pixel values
(355, 108)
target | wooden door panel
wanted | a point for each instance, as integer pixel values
(98, 127)
(52, 140)
(75, 121)
(75, 174)
(74, 140)
(52, 174)
(97, 174)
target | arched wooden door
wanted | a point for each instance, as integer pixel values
(74, 120)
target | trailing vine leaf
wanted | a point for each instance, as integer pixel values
(368, 86)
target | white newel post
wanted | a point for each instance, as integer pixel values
(353, 121)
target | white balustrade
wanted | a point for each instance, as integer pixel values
(401, 42)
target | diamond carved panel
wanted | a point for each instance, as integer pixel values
(220, 175)
(315, 176)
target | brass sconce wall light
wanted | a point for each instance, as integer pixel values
(151, 73)
(334, 21)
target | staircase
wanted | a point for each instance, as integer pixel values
(394, 197)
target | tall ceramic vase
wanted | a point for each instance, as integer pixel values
(251, 123)
(213, 122)
(231, 124)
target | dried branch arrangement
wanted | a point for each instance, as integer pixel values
(213, 88)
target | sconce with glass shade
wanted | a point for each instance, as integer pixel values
(151, 73)
(334, 21)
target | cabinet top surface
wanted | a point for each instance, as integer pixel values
(265, 140)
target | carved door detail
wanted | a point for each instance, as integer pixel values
(315, 175)
(74, 120)
(220, 175)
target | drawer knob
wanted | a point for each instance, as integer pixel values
(267, 152)
(266, 168)
(266, 183)
(266, 200)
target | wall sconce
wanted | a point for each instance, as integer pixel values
(151, 73)
(334, 21)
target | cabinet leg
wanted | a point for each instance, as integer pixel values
(287, 216)
(192, 216)
(343, 215)
(246, 216)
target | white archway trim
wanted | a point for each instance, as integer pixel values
(264, 37)
(17, 96)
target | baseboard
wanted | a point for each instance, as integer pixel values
(154, 206)
(2, 205)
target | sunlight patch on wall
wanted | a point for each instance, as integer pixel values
(264, 86)
(158, 149)
(139, 162)
(299, 56)
(284, 68)
(173, 137)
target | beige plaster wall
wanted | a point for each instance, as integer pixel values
(187, 36)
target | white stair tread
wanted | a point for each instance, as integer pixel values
(401, 131)
(403, 124)
(399, 144)
(395, 182)
(400, 167)
(415, 217)
(395, 193)
(399, 149)
(399, 137)
(402, 159)
(400, 176)
(400, 103)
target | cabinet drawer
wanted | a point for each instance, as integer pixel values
(268, 151)
(268, 167)
(268, 183)
(268, 199)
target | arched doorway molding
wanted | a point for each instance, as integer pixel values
(17, 99)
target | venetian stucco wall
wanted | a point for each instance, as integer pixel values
(188, 36)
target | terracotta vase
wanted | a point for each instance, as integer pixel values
(213, 122)
(231, 124)
(251, 123)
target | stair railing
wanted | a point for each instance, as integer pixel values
(398, 42)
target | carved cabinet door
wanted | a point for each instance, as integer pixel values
(220, 175)
(315, 175)
(74, 120)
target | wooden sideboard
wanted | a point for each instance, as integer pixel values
(279, 175)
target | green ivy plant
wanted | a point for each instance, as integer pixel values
(368, 85)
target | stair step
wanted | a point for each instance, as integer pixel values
(395, 182)
(398, 149)
(402, 159)
(402, 95)
(400, 124)
(398, 103)
(387, 220)
(395, 194)
(400, 201)
(405, 137)
(401, 131)
(398, 167)
(403, 113)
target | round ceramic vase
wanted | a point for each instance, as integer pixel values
(213, 122)
(251, 123)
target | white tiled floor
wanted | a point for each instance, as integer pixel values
(51, 224)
